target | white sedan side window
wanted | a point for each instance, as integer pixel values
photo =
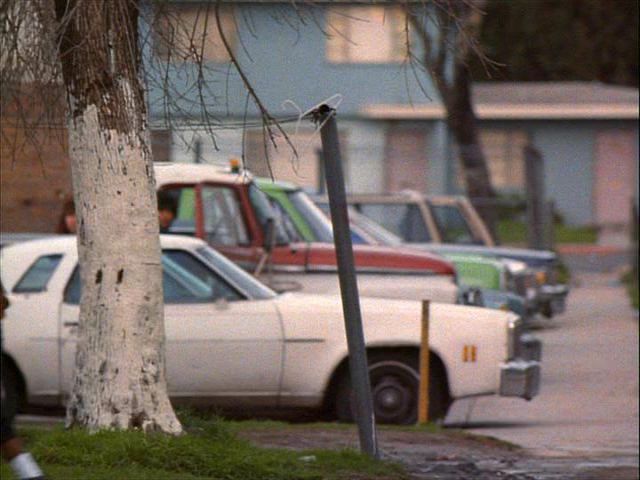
(185, 279)
(38, 274)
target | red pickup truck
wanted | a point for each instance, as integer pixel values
(233, 215)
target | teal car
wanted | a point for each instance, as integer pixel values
(305, 221)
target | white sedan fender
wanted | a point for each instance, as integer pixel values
(31, 328)
(470, 341)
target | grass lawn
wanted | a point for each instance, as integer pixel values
(511, 231)
(210, 450)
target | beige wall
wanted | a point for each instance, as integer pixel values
(615, 177)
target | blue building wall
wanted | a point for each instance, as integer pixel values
(286, 61)
(568, 149)
(568, 152)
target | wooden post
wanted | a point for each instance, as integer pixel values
(534, 171)
(550, 226)
(423, 397)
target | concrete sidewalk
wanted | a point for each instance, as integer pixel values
(595, 258)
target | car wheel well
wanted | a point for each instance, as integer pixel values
(10, 368)
(435, 362)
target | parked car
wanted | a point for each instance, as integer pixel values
(491, 277)
(232, 341)
(503, 282)
(233, 215)
(487, 278)
(9, 238)
(450, 224)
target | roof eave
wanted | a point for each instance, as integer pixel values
(506, 112)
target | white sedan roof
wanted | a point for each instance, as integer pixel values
(64, 243)
(29, 250)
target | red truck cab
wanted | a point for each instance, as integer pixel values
(232, 214)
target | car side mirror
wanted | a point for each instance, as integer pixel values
(222, 303)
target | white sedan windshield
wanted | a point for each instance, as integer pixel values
(235, 275)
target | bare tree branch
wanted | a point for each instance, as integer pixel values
(268, 119)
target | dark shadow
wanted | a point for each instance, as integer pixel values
(490, 424)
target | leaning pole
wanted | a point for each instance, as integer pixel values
(324, 116)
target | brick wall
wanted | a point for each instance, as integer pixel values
(35, 173)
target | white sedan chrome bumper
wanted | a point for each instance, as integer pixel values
(520, 378)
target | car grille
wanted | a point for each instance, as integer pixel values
(522, 282)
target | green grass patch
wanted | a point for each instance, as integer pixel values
(210, 450)
(567, 234)
(515, 232)
(256, 425)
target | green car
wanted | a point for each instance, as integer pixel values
(491, 276)
(305, 221)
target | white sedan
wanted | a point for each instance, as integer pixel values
(232, 342)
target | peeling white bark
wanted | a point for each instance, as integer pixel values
(119, 380)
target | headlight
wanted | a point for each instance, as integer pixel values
(514, 330)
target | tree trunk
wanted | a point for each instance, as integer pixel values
(119, 380)
(463, 124)
(451, 47)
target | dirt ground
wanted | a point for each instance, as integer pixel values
(449, 454)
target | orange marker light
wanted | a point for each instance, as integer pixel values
(234, 163)
(469, 353)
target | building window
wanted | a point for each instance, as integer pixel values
(189, 33)
(366, 34)
(504, 153)
(504, 150)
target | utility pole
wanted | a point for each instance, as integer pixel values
(358, 367)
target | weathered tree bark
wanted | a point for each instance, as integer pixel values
(463, 124)
(446, 56)
(119, 382)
